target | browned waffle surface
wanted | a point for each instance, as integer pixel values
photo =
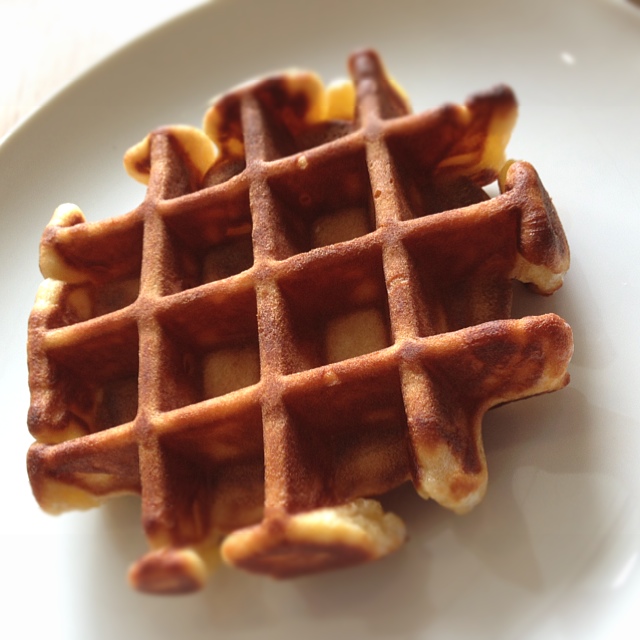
(310, 307)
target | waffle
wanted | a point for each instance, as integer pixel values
(310, 307)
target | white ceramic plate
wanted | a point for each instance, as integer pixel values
(552, 551)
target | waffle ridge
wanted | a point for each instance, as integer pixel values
(301, 317)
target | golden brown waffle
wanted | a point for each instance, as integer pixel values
(305, 314)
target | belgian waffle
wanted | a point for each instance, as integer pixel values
(310, 307)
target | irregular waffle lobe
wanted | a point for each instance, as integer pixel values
(454, 381)
(82, 472)
(195, 151)
(377, 95)
(281, 320)
(543, 249)
(74, 251)
(292, 109)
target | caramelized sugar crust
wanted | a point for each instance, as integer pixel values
(310, 307)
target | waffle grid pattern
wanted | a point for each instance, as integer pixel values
(246, 276)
